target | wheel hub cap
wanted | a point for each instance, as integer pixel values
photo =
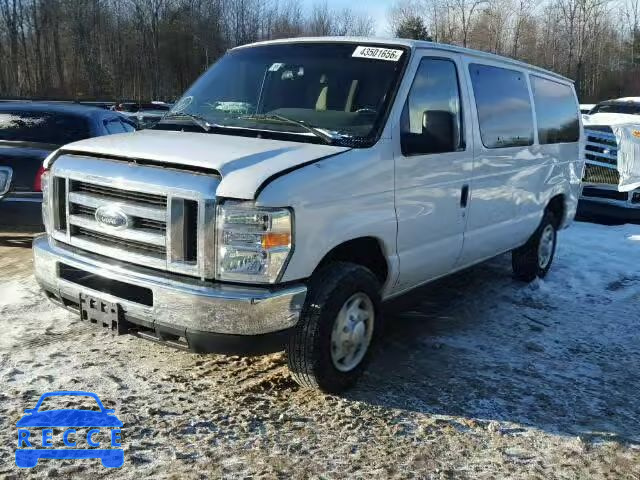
(545, 248)
(352, 332)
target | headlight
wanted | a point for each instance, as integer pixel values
(254, 243)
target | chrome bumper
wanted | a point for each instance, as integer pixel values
(177, 302)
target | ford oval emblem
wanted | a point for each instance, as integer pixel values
(112, 216)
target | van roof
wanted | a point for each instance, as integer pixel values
(413, 45)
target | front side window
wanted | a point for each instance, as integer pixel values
(42, 127)
(504, 107)
(341, 89)
(431, 120)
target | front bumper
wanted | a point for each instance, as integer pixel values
(207, 316)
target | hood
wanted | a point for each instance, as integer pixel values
(69, 418)
(610, 119)
(244, 163)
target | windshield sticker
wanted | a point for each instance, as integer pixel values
(240, 108)
(389, 54)
(275, 67)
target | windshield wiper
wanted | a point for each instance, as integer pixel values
(327, 137)
(195, 119)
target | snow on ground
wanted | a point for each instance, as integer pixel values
(478, 377)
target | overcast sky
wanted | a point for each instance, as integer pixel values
(376, 9)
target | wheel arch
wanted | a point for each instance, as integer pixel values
(367, 251)
(558, 206)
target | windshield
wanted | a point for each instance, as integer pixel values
(628, 108)
(340, 90)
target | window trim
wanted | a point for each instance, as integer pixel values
(463, 137)
(525, 75)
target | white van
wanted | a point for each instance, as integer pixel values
(300, 183)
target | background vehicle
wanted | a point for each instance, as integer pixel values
(585, 108)
(299, 183)
(29, 132)
(145, 115)
(612, 171)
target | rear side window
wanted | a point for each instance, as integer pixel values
(504, 107)
(556, 111)
(42, 127)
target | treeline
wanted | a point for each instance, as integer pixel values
(141, 49)
(153, 49)
(594, 42)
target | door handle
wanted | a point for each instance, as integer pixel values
(464, 196)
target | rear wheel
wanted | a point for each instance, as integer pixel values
(534, 258)
(330, 346)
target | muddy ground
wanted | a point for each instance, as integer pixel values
(478, 377)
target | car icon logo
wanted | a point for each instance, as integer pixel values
(112, 216)
(80, 433)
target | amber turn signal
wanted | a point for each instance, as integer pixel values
(271, 240)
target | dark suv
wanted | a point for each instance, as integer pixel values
(29, 132)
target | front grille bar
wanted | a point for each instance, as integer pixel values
(119, 194)
(158, 250)
(135, 209)
(133, 235)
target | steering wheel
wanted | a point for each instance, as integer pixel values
(366, 110)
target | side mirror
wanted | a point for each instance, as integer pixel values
(109, 411)
(29, 410)
(438, 131)
(6, 174)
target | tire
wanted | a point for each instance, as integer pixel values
(313, 351)
(533, 260)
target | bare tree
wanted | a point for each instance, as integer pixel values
(143, 49)
(466, 9)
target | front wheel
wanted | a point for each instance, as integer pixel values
(534, 258)
(331, 344)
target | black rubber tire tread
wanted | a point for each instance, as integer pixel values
(308, 348)
(524, 260)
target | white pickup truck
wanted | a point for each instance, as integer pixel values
(611, 184)
(298, 184)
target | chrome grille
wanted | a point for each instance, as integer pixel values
(602, 146)
(84, 198)
(169, 214)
